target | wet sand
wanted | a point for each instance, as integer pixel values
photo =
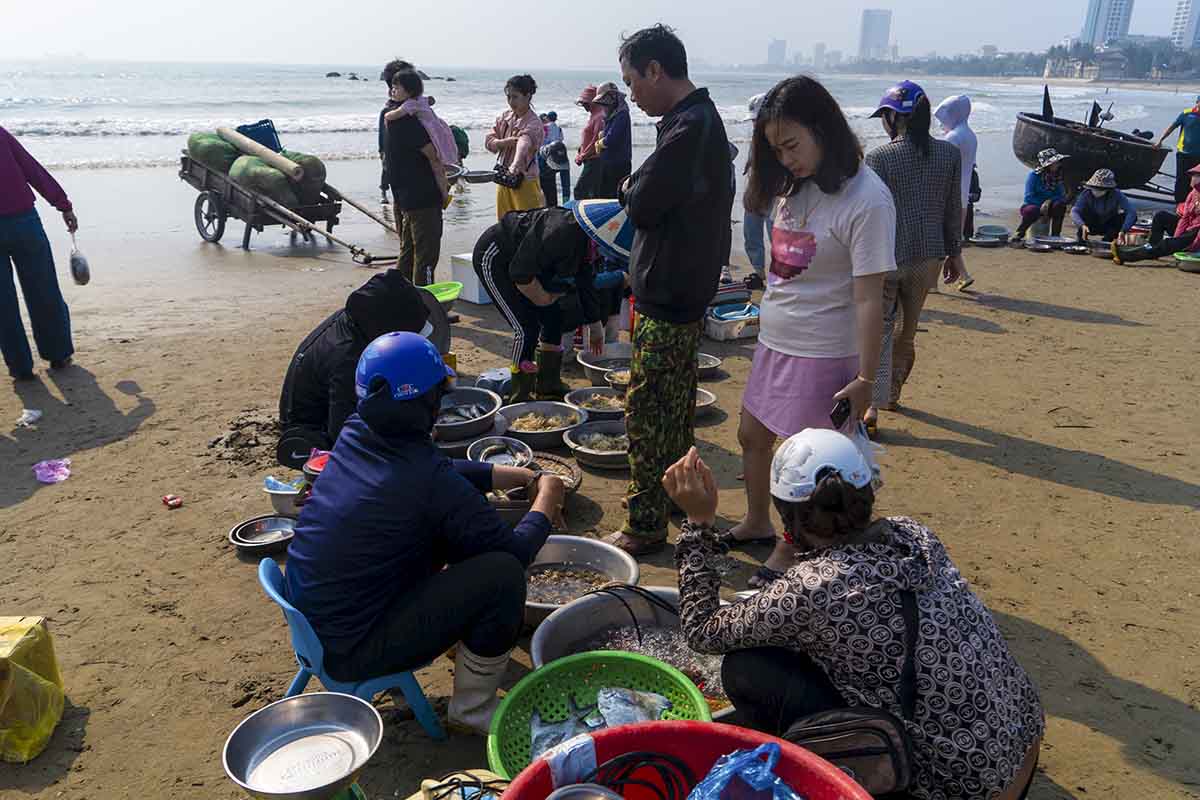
(1049, 437)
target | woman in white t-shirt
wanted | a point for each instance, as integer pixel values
(832, 244)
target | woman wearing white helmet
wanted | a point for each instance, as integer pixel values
(834, 631)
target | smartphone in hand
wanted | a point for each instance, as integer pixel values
(840, 413)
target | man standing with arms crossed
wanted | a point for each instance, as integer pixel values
(679, 202)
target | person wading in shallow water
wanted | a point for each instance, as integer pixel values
(679, 202)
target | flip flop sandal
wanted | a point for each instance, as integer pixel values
(967, 284)
(726, 538)
(763, 577)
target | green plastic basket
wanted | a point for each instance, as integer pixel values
(446, 293)
(582, 676)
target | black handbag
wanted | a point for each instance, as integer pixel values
(869, 744)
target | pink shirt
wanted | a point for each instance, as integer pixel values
(591, 132)
(19, 171)
(530, 136)
(439, 132)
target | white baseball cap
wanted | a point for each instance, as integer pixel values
(805, 458)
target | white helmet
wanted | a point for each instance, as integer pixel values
(803, 459)
(755, 104)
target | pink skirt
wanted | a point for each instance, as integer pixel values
(789, 393)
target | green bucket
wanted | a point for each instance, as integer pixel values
(446, 292)
(582, 676)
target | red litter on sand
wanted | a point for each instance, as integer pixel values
(172, 501)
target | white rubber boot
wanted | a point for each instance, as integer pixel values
(476, 680)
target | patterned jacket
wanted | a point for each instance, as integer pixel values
(977, 711)
(928, 197)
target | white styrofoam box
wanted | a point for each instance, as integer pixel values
(462, 270)
(723, 330)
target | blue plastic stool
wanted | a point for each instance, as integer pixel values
(311, 658)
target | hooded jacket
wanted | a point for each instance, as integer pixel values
(548, 244)
(679, 201)
(953, 113)
(318, 390)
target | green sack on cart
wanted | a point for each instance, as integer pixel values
(252, 173)
(212, 151)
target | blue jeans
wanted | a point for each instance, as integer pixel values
(23, 244)
(756, 247)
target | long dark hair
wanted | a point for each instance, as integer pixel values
(807, 102)
(916, 128)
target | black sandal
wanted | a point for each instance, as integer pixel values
(726, 538)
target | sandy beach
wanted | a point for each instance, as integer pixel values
(1049, 437)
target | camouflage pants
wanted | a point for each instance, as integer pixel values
(660, 414)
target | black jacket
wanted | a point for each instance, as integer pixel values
(679, 201)
(548, 244)
(318, 391)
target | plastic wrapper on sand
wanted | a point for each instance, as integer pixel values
(31, 689)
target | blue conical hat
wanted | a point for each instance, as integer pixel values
(606, 222)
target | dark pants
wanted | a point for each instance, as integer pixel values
(1108, 227)
(385, 182)
(588, 185)
(479, 602)
(1183, 181)
(969, 222)
(611, 174)
(771, 687)
(420, 243)
(23, 244)
(1161, 244)
(530, 323)
(1032, 213)
(547, 177)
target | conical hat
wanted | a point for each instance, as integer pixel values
(606, 222)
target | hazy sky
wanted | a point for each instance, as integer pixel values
(565, 33)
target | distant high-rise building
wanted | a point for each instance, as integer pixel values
(833, 58)
(875, 34)
(1106, 20)
(1185, 30)
(989, 51)
(895, 52)
(777, 52)
(819, 56)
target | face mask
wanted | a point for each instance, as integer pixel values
(1099, 192)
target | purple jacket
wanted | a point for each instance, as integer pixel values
(19, 171)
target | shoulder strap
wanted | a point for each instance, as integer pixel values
(908, 678)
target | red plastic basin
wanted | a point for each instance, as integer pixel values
(699, 745)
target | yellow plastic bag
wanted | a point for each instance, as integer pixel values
(31, 689)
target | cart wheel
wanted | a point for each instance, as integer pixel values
(210, 216)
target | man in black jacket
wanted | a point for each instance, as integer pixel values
(679, 201)
(318, 391)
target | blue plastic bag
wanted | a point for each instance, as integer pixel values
(744, 775)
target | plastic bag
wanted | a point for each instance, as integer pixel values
(80, 271)
(31, 689)
(857, 431)
(744, 775)
(629, 706)
(545, 735)
(56, 470)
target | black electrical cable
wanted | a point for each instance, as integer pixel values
(453, 782)
(649, 597)
(676, 777)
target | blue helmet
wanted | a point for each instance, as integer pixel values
(901, 98)
(408, 362)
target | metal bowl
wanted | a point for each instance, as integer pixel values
(263, 535)
(457, 431)
(986, 241)
(1101, 250)
(577, 397)
(579, 621)
(994, 231)
(523, 452)
(594, 458)
(1055, 241)
(612, 561)
(707, 366)
(307, 747)
(286, 502)
(619, 386)
(543, 440)
(459, 449)
(706, 402)
(616, 355)
(478, 175)
(1039, 248)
